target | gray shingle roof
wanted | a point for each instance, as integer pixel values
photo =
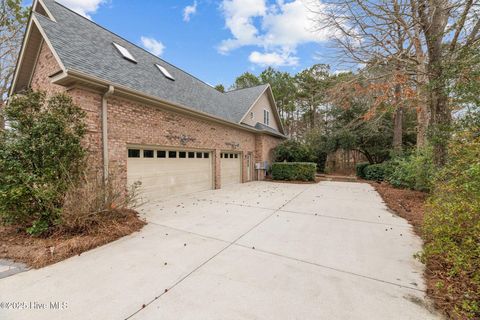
(87, 47)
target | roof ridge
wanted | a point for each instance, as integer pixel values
(98, 61)
(143, 49)
(259, 85)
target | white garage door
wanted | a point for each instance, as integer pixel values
(231, 168)
(166, 172)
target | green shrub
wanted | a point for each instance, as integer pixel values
(415, 171)
(293, 151)
(304, 171)
(360, 169)
(375, 172)
(452, 228)
(40, 157)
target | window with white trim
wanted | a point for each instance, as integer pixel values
(266, 117)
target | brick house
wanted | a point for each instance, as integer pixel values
(147, 119)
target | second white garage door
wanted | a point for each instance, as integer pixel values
(231, 168)
(166, 172)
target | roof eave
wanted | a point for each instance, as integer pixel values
(68, 77)
(268, 89)
(277, 114)
(32, 21)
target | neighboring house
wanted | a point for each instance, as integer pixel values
(147, 120)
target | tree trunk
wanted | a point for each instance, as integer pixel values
(2, 120)
(441, 120)
(423, 112)
(422, 107)
(398, 122)
(312, 118)
(434, 29)
(398, 130)
(422, 124)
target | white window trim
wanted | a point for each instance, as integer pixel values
(266, 117)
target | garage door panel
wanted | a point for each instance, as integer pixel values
(163, 177)
(231, 169)
(176, 170)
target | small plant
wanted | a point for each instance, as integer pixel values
(415, 171)
(303, 171)
(360, 169)
(93, 200)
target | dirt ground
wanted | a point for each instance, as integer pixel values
(37, 252)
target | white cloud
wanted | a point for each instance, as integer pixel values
(83, 7)
(291, 24)
(239, 16)
(154, 46)
(272, 59)
(278, 28)
(188, 11)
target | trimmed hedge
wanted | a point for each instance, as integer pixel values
(360, 169)
(375, 172)
(304, 171)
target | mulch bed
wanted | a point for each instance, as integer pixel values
(408, 204)
(317, 180)
(37, 252)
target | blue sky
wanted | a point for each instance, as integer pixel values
(217, 40)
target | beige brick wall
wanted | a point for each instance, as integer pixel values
(135, 123)
(264, 150)
(46, 66)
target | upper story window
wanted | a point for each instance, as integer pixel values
(165, 72)
(251, 115)
(124, 52)
(266, 117)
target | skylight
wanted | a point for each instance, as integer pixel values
(124, 52)
(165, 72)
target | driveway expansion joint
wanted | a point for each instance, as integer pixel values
(234, 243)
(347, 219)
(144, 306)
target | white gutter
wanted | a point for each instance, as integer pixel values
(151, 99)
(105, 96)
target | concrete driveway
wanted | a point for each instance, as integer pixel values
(259, 250)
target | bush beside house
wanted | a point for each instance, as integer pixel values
(41, 156)
(303, 171)
(44, 185)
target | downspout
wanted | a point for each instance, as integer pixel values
(105, 96)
